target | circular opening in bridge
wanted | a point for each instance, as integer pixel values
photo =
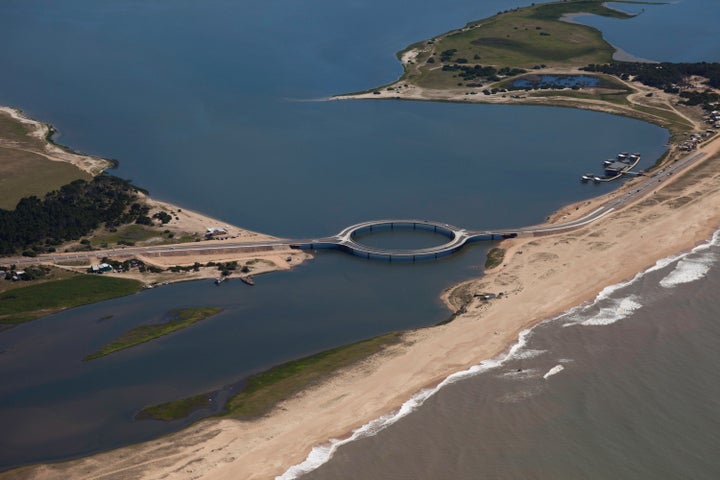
(401, 237)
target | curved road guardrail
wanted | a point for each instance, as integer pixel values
(345, 240)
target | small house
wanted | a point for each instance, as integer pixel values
(101, 268)
(215, 232)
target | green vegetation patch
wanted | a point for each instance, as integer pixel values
(176, 409)
(127, 235)
(144, 333)
(494, 257)
(23, 174)
(523, 38)
(34, 301)
(265, 390)
(69, 213)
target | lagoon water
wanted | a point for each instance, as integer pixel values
(212, 105)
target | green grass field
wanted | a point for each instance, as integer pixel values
(24, 173)
(27, 303)
(522, 38)
(144, 333)
(128, 234)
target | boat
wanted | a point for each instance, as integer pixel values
(586, 178)
(247, 279)
(219, 280)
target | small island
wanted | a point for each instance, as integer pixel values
(538, 55)
(179, 319)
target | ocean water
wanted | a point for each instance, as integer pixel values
(625, 387)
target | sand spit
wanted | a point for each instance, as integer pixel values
(42, 131)
(540, 278)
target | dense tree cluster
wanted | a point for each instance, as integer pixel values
(447, 55)
(32, 272)
(467, 72)
(708, 99)
(666, 76)
(36, 225)
(471, 73)
(164, 217)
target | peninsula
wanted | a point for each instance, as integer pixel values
(542, 273)
(98, 219)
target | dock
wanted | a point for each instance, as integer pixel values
(614, 168)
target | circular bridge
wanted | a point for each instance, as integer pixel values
(345, 240)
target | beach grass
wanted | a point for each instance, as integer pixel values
(265, 390)
(179, 319)
(22, 304)
(495, 257)
(176, 409)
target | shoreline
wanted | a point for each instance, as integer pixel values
(539, 278)
(53, 151)
(183, 222)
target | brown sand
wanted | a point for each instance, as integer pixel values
(637, 107)
(541, 278)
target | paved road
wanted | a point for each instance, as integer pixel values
(344, 240)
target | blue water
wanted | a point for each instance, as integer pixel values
(638, 397)
(208, 104)
(557, 81)
(677, 31)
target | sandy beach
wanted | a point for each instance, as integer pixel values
(541, 277)
(651, 108)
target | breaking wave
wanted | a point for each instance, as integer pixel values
(687, 269)
(323, 453)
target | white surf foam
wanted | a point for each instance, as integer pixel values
(694, 264)
(713, 242)
(618, 310)
(608, 315)
(528, 353)
(554, 371)
(323, 453)
(689, 270)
